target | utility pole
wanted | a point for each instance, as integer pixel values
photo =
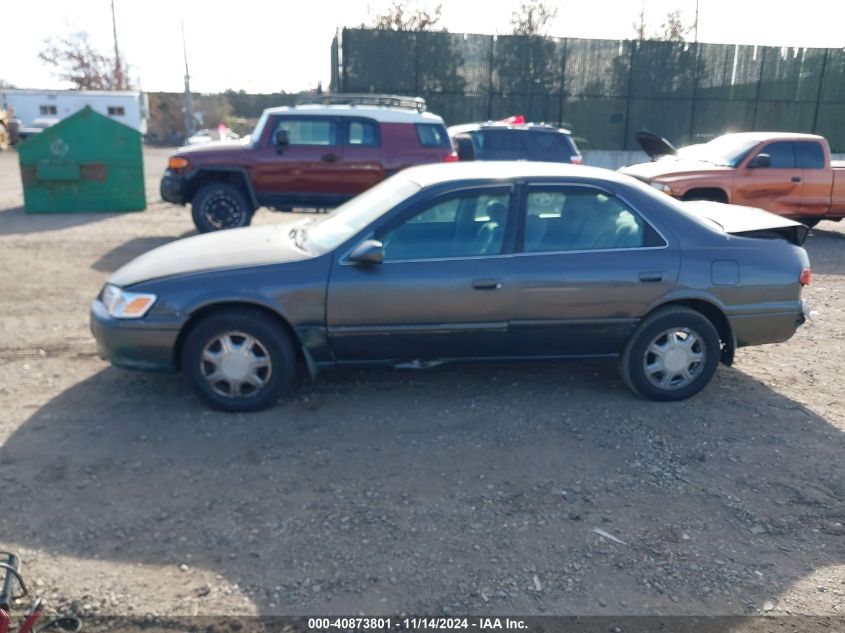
(642, 21)
(695, 37)
(189, 110)
(118, 71)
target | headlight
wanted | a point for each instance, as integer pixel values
(126, 305)
(662, 186)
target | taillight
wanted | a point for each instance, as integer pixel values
(576, 160)
(451, 157)
(806, 276)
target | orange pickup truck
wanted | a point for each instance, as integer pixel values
(787, 174)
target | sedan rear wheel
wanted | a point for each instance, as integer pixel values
(672, 355)
(239, 360)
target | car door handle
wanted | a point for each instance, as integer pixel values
(487, 284)
(796, 179)
(650, 278)
(329, 158)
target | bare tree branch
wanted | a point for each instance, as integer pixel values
(402, 15)
(534, 17)
(77, 61)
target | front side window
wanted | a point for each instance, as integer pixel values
(782, 155)
(582, 219)
(310, 131)
(464, 224)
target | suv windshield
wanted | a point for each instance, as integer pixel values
(349, 218)
(727, 151)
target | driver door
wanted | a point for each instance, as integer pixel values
(440, 292)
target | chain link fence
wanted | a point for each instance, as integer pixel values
(606, 90)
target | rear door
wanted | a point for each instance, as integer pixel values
(589, 268)
(309, 170)
(777, 188)
(440, 291)
(817, 179)
(363, 160)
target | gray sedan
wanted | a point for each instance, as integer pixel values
(464, 262)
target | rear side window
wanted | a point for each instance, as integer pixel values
(781, 153)
(501, 144)
(580, 219)
(433, 135)
(809, 155)
(551, 146)
(362, 133)
(311, 131)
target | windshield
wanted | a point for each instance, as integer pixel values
(727, 150)
(349, 218)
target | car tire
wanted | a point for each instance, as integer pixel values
(220, 205)
(672, 355)
(810, 222)
(239, 360)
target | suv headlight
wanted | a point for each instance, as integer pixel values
(126, 305)
(662, 186)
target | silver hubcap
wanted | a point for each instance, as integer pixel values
(674, 358)
(236, 365)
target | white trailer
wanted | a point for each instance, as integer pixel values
(127, 106)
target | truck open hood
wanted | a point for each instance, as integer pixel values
(655, 146)
(250, 246)
(748, 221)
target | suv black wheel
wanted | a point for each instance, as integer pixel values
(672, 355)
(239, 360)
(219, 205)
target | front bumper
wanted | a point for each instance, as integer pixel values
(133, 344)
(172, 187)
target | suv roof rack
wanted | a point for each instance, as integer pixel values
(369, 99)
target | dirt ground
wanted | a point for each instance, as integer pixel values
(451, 490)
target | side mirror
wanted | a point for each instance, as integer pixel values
(280, 140)
(464, 148)
(760, 160)
(368, 252)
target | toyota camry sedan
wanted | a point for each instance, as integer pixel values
(469, 262)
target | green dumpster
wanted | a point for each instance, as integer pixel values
(86, 162)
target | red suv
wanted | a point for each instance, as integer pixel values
(316, 154)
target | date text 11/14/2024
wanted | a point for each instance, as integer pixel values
(415, 623)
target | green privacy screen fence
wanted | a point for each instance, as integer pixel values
(606, 90)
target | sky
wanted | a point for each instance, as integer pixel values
(274, 45)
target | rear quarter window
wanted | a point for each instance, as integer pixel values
(809, 155)
(433, 135)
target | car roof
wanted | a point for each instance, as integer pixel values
(438, 173)
(383, 114)
(768, 136)
(496, 125)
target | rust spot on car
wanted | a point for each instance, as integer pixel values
(93, 171)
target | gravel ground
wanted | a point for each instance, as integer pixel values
(538, 489)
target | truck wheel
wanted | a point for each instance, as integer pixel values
(218, 206)
(810, 222)
(672, 355)
(238, 360)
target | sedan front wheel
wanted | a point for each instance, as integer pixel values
(672, 355)
(238, 360)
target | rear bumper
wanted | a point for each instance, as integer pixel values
(760, 329)
(130, 345)
(172, 188)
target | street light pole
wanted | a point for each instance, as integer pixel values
(695, 37)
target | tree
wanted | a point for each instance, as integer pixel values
(402, 15)
(672, 29)
(76, 60)
(534, 17)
